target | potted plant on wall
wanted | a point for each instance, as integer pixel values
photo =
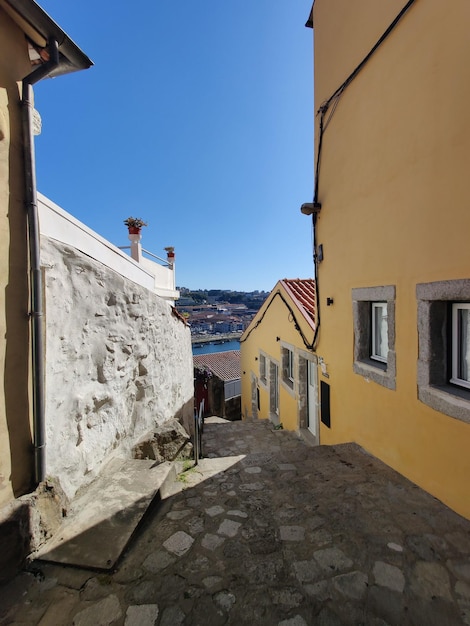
(170, 254)
(134, 225)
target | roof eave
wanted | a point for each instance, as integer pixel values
(41, 28)
(297, 303)
(309, 22)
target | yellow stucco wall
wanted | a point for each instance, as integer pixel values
(15, 437)
(394, 191)
(276, 321)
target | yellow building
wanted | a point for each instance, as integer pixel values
(278, 367)
(392, 223)
(32, 47)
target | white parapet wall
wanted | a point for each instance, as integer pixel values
(57, 224)
(118, 360)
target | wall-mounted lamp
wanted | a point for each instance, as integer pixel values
(278, 339)
(323, 367)
(256, 358)
(329, 301)
(309, 208)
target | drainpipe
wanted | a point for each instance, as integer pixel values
(36, 289)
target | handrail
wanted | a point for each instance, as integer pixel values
(198, 429)
(154, 256)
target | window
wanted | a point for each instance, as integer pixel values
(374, 334)
(290, 365)
(461, 344)
(444, 346)
(262, 368)
(379, 348)
(273, 388)
(287, 366)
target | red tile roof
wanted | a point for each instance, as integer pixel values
(224, 365)
(302, 292)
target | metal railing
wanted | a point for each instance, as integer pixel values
(198, 430)
(148, 253)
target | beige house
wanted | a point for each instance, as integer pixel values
(391, 222)
(32, 47)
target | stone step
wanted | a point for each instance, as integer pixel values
(105, 515)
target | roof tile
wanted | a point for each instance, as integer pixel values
(225, 365)
(302, 291)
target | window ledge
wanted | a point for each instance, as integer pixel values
(380, 373)
(288, 385)
(448, 400)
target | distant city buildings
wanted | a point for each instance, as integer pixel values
(210, 313)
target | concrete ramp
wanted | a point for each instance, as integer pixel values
(104, 517)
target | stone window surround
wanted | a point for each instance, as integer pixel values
(304, 358)
(381, 373)
(273, 389)
(434, 389)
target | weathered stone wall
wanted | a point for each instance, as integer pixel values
(117, 363)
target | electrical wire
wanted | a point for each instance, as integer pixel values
(336, 95)
(340, 90)
(331, 104)
(308, 345)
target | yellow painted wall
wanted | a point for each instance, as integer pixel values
(15, 437)
(395, 211)
(276, 321)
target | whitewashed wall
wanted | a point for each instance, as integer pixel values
(118, 361)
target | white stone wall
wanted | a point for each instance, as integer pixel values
(118, 361)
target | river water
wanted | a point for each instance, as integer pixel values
(209, 348)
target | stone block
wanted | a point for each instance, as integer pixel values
(165, 442)
(179, 543)
(141, 615)
(386, 575)
(103, 612)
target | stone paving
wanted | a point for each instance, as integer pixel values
(270, 531)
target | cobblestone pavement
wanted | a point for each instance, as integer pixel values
(271, 531)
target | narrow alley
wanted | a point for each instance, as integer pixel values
(268, 530)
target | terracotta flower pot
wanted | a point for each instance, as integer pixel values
(134, 230)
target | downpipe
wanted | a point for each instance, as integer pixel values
(36, 286)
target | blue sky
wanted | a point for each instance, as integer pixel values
(197, 117)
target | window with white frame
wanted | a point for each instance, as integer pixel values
(374, 334)
(461, 344)
(379, 343)
(262, 368)
(444, 346)
(273, 388)
(288, 366)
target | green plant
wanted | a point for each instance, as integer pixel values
(134, 222)
(188, 466)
